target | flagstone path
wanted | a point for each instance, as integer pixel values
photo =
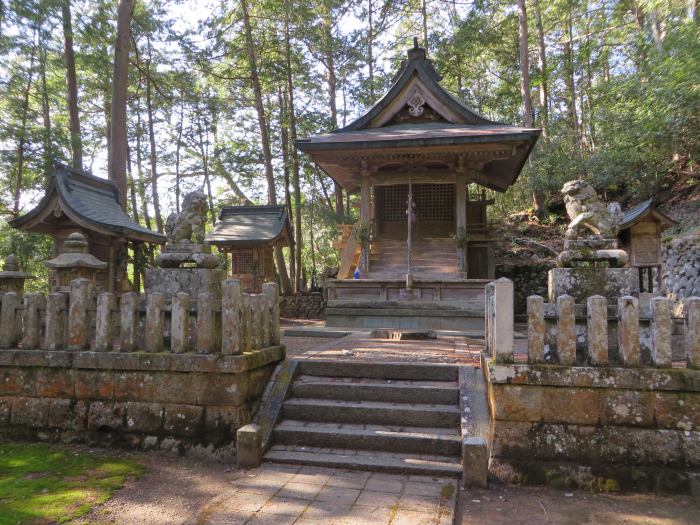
(286, 494)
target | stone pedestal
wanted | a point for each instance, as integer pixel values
(171, 281)
(584, 282)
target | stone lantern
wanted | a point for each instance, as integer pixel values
(75, 262)
(11, 278)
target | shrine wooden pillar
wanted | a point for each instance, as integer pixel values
(365, 209)
(461, 213)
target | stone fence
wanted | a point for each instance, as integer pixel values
(235, 323)
(140, 372)
(605, 403)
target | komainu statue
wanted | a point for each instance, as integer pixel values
(188, 225)
(185, 232)
(590, 218)
(591, 237)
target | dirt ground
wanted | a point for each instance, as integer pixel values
(174, 491)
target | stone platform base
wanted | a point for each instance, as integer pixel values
(453, 315)
(581, 283)
(170, 281)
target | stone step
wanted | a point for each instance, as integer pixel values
(390, 438)
(368, 389)
(368, 369)
(372, 412)
(367, 460)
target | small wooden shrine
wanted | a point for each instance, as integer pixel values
(421, 161)
(247, 236)
(76, 201)
(640, 236)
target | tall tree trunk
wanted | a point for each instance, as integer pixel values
(135, 246)
(424, 17)
(265, 139)
(22, 143)
(331, 85)
(76, 143)
(570, 80)
(542, 65)
(370, 48)
(286, 168)
(178, 145)
(120, 79)
(152, 141)
(139, 168)
(538, 202)
(46, 112)
(296, 182)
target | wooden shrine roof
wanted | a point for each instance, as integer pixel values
(88, 201)
(417, 120)
(642, 210)
(251, 226)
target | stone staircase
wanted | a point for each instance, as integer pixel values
(431, 257)
(390, 417)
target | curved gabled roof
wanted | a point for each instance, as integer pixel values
(418, 116)
(420, 67)
(248, 226)
(90, 202)
(642, 210)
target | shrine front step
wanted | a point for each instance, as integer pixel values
(390, 417)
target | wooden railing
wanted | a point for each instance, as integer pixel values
(236, 322)
(562, 331)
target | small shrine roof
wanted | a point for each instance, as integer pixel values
(250, 226)
(642, 210)
(418, 117)
(89, 201)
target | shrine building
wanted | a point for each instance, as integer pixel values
(78, 202)
(423, 265)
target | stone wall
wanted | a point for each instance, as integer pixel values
(187, 403)
(303, 306)
(605, 407)
(137, 371)
(528, 279)
(605, 428)
(681, 269)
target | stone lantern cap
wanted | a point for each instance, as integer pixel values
(10, 270)
(76, 255)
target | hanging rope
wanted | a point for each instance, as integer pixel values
(409, 236)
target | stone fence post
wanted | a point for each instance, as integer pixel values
(180, 323)
(206, 338)
(597, 327)
(106, 303)
(692, 332)
(10, 320)
(34, 303)
(661, 327)
(79, 321)
(503, 320)
(155, 305)
(628, 330)
(129, 322)
(566, 330)
(271, 292)
(535, 329)
(54, 335)
(231, 304)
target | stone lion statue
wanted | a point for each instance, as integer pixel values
(590, 218)
(188, 225)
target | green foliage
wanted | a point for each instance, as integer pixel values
(41, 483)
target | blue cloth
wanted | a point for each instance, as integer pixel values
(356, 275)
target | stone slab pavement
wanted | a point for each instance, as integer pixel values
(302, 495)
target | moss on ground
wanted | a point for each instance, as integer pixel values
(41, 483)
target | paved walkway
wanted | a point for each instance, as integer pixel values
(286, 494)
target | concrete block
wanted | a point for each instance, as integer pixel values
(249, 446)
(475, 461)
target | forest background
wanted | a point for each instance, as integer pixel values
(166, 97)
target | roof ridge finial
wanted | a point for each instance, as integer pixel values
(415, 42)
